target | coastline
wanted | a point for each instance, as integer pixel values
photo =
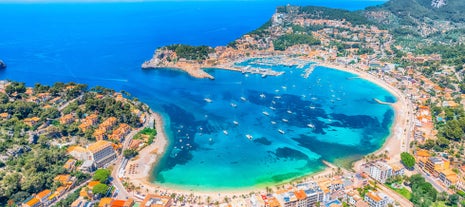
(394, 143)
(150, 156)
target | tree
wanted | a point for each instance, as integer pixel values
(100, 189)
(407, 159)
(101, 175)
(130, 153)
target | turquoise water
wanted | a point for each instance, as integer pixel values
(327, 116)
(105, 44)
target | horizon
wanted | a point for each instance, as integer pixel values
(138, 1)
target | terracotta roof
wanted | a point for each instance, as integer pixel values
(374, 197)
(43, 194)
(300, 194)
(32, 202)
(105, 202)
(99, 145)
(92, 184)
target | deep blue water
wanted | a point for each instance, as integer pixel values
(105, 43)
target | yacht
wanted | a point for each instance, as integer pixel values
(262, 95)
(233, 105)
(281, 131)
(249, 136)
(273, 122)
(265, 113)
(289, 111)
(225, 132)
(207, 100)
(243, 98)
(285, 120)
(236, 123)
(272, 108)
(311, 126)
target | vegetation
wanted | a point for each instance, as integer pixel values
(288, 40)
(423, 193)
(148, 133)
(101, 175)
(407, 159)
(191, 52)
(100, 189)
(69, 200)
(130, 153)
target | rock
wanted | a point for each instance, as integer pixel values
(2, 65)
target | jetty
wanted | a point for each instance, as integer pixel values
(382, 102)
(309, 71)
(260, 71)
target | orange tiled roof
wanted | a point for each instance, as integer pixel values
(32, 202)
(105, 202)
(92, 184)
(374, 196)
(99, 145)
(43, 194)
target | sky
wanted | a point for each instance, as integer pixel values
(72, 1)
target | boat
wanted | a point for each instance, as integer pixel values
(262, 95)
(225, 132)
(289, 111)
(312, 107)
(249, 136)
(263, 75)
(285, 120)
(273, 122)
(207, 100)
(243, 98)
(281, 131)
(233, 105)
(277, 97)
(236, 123)
(265, 113)
(272, 108)
(311, 126)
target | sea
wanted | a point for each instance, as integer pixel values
(237, 131)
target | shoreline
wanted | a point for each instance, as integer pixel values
(394, 142)
(149, 158)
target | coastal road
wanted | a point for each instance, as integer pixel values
(395, 196)
(430, 179)
(123, 193)
(69, 192)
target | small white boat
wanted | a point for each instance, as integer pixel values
(249, 136)
(284, 87)
(207, 100)
(312, 107)
(272, 108)
(289, 111)
(311, 126)
(243, 98)
(285, 120)
(225, 132)
(233, 105)
(262, 95)
(277, 97)
(273, 122)
(273, 102)
(236, 123)
(265, 113)
(281, 131)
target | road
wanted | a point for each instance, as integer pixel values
(430, 179)
(70, 191)
(123, 193)
(60, 108)
(395, 196)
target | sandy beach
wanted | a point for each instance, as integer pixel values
(140, 167)
(397, 141)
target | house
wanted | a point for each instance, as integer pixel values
(88, 122)
(102, 153)
(70, 165)
(448, 177)
(436, 164)
(380, 171)
(152, 200)
(105, 202)
(34, 202)
(120, 132)
(67, 119)
(81, 202)
(375, 199)
(31, 121)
